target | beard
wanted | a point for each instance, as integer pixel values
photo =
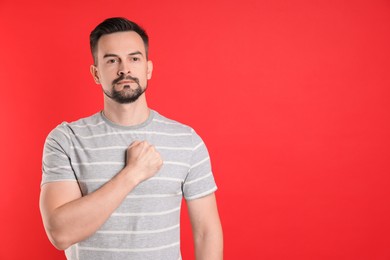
(127, 94)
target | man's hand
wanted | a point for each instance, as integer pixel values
(143, 160)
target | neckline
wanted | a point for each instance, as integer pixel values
(141, 125)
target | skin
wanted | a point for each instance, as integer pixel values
(68, 216)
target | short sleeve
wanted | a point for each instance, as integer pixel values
(56, 159)
(200, 180)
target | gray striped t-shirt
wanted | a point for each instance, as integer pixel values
(147, 223)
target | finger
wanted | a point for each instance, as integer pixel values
(135, 143)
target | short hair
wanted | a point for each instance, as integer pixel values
(112, 25)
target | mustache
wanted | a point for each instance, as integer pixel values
(123, 77)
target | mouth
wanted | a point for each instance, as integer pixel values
(125, 82)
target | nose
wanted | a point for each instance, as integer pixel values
(124, 69)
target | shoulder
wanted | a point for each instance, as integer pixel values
(67, 129)
(164, 124)
(168, 124)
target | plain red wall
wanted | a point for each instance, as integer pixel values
(291, 97)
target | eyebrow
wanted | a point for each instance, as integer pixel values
(108, 55)
(136, 53)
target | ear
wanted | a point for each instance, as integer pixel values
(95, 74)
(149, 69)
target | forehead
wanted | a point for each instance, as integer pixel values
(120, 43)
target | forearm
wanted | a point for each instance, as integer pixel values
(80, 218)
(209, 245)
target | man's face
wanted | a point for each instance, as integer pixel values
(121, 66)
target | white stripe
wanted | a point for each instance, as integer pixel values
(128, 249)
(166, 179)
(198, 179)
(174, 148)
(199, 163)
(56, 168)
(202, 194)
(54, 153)
(199, 145)
(86, 125)
(154, 196)
(94, 180)
(100, 163)
(125, 147)
(99, 149)
(177, 163)
(118, 232)
(146, 213)
(49, 181)
(165, 122)
(153, 178)
(132, 132)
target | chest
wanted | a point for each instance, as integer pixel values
(98, 160)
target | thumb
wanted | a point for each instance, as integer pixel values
(135, 143)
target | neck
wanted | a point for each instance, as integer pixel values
(126, 114)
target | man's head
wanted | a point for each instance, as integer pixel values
(121, 65)
(113, 25)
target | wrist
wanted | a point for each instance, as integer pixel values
(129, 175)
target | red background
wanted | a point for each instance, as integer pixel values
(291, 97)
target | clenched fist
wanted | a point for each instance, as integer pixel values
(142, 160)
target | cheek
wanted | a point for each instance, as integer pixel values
(142, 74)
(108, 75)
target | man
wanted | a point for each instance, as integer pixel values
(113, 182)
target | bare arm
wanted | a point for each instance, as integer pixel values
(206, 228)
(70, 218)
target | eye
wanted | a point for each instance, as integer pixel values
(111, 61)
(135, 59)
